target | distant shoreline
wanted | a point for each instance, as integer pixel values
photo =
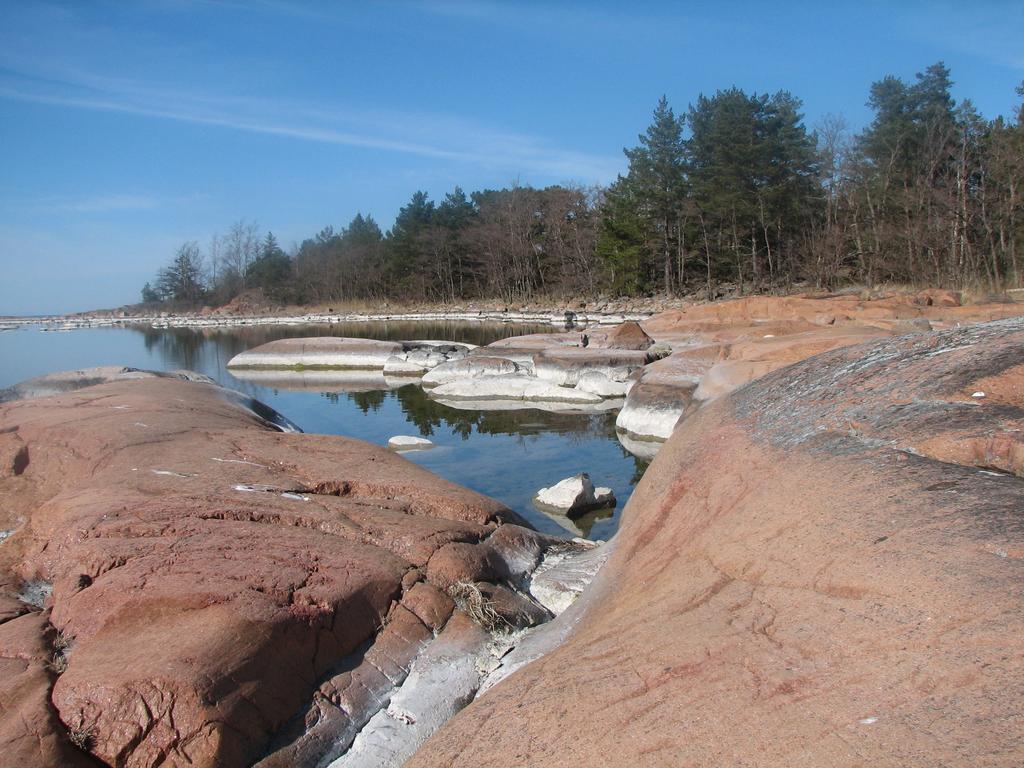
(195, 320)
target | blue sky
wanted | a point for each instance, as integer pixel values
(128, 128)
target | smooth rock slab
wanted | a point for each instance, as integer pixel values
(512, 388)
(600, 384)
(320, 352)
(399, 366)
(469, 368)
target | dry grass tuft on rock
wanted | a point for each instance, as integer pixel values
(471, 600)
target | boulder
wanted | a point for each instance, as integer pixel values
(565, 366)
(628, 335)
(661, 393)
(598, 383)
(401, 366)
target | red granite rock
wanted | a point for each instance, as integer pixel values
(821, 568)
(209, 572)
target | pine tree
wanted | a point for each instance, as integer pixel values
(649, 202)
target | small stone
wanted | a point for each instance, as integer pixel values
(575, 495)
(978, 394)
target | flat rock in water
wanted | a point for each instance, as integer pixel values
(409, 443)
(599, 384)
(512, 388)
(402, 366)
(469, 368)
(320, 352)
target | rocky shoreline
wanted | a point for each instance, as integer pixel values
(557, 317)
(208, 588)
(821, 566)
(650, 372)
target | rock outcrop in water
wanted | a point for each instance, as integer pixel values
(396, 358)
(821, 568)
(183, 583)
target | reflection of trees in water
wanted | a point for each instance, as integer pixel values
(239, 338)
(181, 346)
(368, 401)
(208, 351)
(428, 415)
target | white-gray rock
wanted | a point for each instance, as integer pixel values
(318, 352)
(512, 387)
(441, 682)
(562, 576)
(409, 443)
(399, 365)
(575, 494)
(644, 448)
(598, 383)
(469, 368)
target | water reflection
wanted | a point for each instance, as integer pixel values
(187, 346)
(582, 525)
(506, 454)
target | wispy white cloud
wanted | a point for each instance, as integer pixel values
(424, 135)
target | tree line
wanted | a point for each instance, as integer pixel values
(736, 194)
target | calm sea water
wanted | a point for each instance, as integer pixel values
(505, 454)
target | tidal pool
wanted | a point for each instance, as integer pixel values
(505, 454)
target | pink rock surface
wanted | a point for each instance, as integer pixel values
(821, 568)
(209, 572)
